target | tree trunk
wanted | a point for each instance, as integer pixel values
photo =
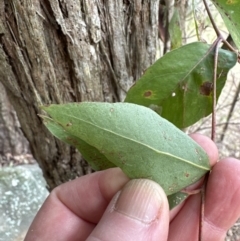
(58, 51)
(12, 142)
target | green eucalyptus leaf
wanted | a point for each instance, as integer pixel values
(179, 85)
(175, 31)
(230, 12)
(176, 198)
(96, 159)
(134, 138)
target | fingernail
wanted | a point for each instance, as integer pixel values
(140, 199)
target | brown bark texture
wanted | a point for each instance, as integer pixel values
(58, 51)
(12, 141)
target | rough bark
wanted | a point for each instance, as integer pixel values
(57, 51)
(12, 141)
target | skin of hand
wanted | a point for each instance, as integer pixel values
(106, 205)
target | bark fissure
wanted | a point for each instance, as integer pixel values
(63, 51)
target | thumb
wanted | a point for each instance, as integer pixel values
(138, 212)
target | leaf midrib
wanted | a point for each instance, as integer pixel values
(198, 62)
(139, 143)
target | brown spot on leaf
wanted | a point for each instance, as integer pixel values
(68, 124)
(186, 174)
(147, 93)
(206, 88)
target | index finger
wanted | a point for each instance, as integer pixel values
(211, 149)
(72, 209)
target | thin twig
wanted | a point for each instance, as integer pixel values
(211, 19)
(213, 136)
(200, 128)
(219, 35)
(230, 112)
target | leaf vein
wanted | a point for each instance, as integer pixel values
(139, 143)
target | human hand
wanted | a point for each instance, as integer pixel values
(107, 206)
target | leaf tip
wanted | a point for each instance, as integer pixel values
(45, 119)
